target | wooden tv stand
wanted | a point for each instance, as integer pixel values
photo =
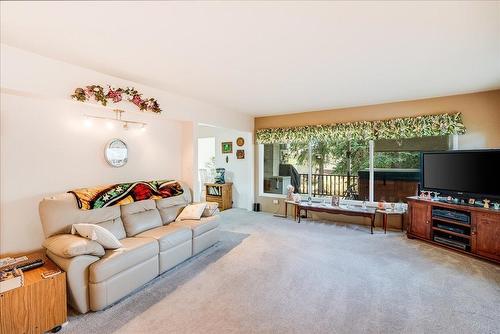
(480, 237)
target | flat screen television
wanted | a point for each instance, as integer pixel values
(462, 173)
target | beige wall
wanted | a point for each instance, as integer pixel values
(481, 115)
(238, 171)
(45, 147)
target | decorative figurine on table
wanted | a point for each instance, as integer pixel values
(436, 196)
(289, 192)
(472, 201)
(486, 203)
(496, 206)
(425, 195)
(296, 198)
(335, 200)
(220, 175)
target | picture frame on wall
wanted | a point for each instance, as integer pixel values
(240, 141)
(240, 154)
(227, 147)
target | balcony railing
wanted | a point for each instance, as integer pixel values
(329, 185)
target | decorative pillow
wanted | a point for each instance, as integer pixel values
(97, 233)
(192, 211)
(211, 209)
(68, 245)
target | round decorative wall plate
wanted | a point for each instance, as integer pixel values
(116, 153)
(240, 141)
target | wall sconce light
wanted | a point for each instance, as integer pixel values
(118, 118)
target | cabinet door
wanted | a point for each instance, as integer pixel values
(420, 220)
(486, 235)
(14, 311)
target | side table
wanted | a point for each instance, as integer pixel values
(385, 214)
(294, 205)
(38, 306)
(221, 193)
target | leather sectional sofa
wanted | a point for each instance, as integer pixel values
(152, 244)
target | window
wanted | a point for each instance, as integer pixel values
(284, 165)
(335, 166)
(397, 166)
(342, 168)
(332, 169)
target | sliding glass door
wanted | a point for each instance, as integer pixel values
(342, 168)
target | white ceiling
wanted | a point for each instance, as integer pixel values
(268, 58)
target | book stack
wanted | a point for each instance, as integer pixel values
(11, 279)
(216, 191)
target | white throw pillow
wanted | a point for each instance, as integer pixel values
(97, 233)
(192, 211)
(211, 209)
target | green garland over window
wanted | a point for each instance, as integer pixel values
(397, 128)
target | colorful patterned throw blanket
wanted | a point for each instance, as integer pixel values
(125, 193)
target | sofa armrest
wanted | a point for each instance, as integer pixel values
(69, 245)
(77, 276)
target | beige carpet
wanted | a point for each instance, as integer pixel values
(271, 275)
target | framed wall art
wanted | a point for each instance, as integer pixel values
(227, 147)
(240, 154)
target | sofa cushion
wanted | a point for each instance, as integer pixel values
(183, 199)
(201, 226)
(133, 252)
(140, 216)
(170, 213)
(168, 236)
(114, 226)
(171, 207)
(68, 245)
(59, 212)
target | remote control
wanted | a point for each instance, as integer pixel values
(31, 265)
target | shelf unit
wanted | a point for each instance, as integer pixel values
(443, 228)
(221, 193)
(479, 237)
(451, 233)
(450, 221)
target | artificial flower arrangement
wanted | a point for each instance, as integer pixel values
(116, 95)
(396, 128)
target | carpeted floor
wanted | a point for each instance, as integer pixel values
(271, 275)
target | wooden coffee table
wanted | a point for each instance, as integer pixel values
(342, 210)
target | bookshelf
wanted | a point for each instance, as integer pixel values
(220, 193)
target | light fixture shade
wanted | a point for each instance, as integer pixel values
(118, 118)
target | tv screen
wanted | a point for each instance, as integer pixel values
(468, 172)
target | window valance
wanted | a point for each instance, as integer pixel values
(397, 128)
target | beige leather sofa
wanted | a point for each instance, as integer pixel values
(152, 244)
